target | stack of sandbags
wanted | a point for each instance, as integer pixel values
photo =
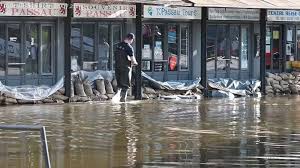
(282, 83)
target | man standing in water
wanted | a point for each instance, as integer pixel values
(125, 59)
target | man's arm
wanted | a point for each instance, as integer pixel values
(131, 56)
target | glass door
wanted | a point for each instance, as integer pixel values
(153, 60)
(274, 58)
(15, 62)
(222, 57)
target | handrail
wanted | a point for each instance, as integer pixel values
(42, 130)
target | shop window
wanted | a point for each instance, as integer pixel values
(244, 48)
(298, 44)
(153, 47)
(211, 47)
(2, 50)
(93, 45)
(116, 38)
(221, 47)
(46, 49)
(15, 64)
(184, 59)
(31, 45)
(172, 48)
(104, 47)
(227, 48)
(235, 47)
(165, 47)
(88, 43)
(290, 43)
(268, 48)
(75, 46)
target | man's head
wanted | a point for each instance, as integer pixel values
(130, 38)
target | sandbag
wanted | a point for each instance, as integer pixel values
(20, 101)
(274, 82)
(283, 82)
(79, 89)
(96, 92)
(149, 90)
(100, 86)
(284, 76)
(277, 87)
(103, 97)
(88, 89)
(48, 100)
(270, 75)
(62, 91)
(110, 96)
(108, 87)
(278, 78)
(269, 81)
(9, 100)
(59, 97)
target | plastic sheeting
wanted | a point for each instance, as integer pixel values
(172, 85)
(30, 92)
(239, 88)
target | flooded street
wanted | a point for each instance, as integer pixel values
(244, 132)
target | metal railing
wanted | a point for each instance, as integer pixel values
(33, 128)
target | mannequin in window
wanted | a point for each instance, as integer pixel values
(103, 56)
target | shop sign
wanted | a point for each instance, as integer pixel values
(233, 14)
(172, 12)
(10, 8)
(83, 10)
(283, 15)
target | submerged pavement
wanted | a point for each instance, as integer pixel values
(242, 132)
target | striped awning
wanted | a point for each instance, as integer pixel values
(261, 4)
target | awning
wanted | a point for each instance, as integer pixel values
(261, 4)
(166, 2)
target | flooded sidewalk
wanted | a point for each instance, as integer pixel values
(243, 132)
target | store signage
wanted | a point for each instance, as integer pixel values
(10, 8)
(233, 14)
(283, 15)
(151, 11)
(83, 10)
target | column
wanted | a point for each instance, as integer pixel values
(138, 77)
(67, 33)
(204, 49)
(262, 52)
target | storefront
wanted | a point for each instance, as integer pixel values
(283, 39)
(96, 30)
(230, 42)
(167, 41)
(28, 42)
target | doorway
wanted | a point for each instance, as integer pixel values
(274, 56)
(227, 51)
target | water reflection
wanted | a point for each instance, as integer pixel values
(244, 132)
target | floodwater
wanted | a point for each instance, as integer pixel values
(243, 132)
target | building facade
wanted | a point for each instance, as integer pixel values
(33, 36)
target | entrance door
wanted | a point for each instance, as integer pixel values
(227, 51)
(29, 53)
(274, 57)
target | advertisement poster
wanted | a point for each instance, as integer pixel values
(288, 49)
(158, 52)
(146, 52)
(146, 65)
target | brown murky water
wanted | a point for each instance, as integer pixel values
(244, 132)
